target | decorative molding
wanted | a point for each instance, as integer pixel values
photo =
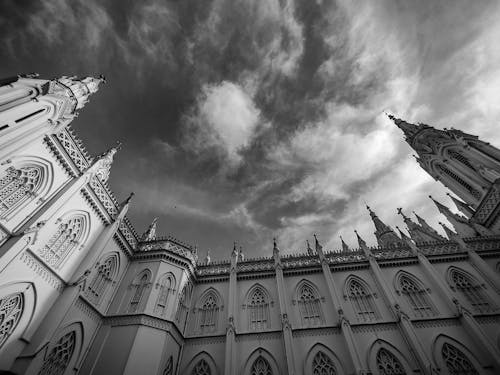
(42, 270)
(434, 323)
(374, 327)
(259, 336)
(205, 340)
(89, 310)
(316, 331)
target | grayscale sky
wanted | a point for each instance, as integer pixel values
(243, 120)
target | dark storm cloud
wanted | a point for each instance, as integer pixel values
(242, 120)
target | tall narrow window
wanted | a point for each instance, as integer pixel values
(60, 356)
(471, 290)
(388, 364)
(362, 301)
(140, 288)
(309, 306)
(169, 367)
(258, 310)
(323, 365)
(102, 279)
(209, 313)
(456, 361)
(460, 180)
(11, 310)
(261, 367)
(184, 300)
(63, 241)
(461, 158)
(416, 296)
(201, 368)
(17, 186)
(163, 294)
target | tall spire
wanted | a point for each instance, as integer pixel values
(409, 129)
(385, 235)
(105, 161)
(462, 206)
(459, 222)
(361, 242)
(310, 251)
(150, 233)
(403, 235)
(418, 232)
(451, 235)
(345, 247)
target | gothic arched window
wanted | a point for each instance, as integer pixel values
(476, 194)
(461, 158)
(471, 290)
(169, 367)
(60, 356)
(140, 288)
(323, 365)
(102, 279)
(17, 186)
(63, 241)
(258, 310)
(362, 301)
(166, 286)
(416, 296)
(309, 306)
(456, 361)
(261, 367)
(11, 309)
(388, 364)
(209, 313)
(201, 368)
(182, 306)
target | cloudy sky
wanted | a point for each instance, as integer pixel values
(243, 120)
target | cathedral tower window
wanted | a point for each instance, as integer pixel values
(102, 280)
(476, 194)
(471, 290)
(461, 158)
(169, 367)
(361, 300)
(201, 368)
(166, 287)
(209, 313)
(140, 289)
(261, 367)
(388, 364)
(309, 306)
(258, 310)
(323, 365)
(416, 296)
(182, 307)
(11, 310)
(63, 241)
(60, 356)
(456, 361)
(17, 186)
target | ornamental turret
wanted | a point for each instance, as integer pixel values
(150, 233)
(418, 232)
(386, 237)
(79, 89)
(460, 223)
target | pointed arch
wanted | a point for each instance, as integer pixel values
(105, 275)
(201, 364)
(261, 359)
(415, 294)
(470, 288)
(449, 354)
(72, 233)
(309, 303)
(184, 301)
(207, 311)
(321, 360)
(141, 282)
(257, 303)
(165, 286)
(362, 298)
(385, 359)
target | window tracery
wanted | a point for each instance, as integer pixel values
(456, 361)
(140, 288)
(63, 241)
(362, 301)
(102, 280)
(201, 368)
(11, 310)
(309, 306)
(261, 367)
(182, 306)
(416, 296)
(60, 356)
(163, 294)
(323, 365)
(472, 291)
(461, 158)
(17, 186)
(388, 364)
(209, 313)
(258, 310)
(475, 193)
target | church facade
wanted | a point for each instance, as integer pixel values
(82, 293)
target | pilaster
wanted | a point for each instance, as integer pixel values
(230, 358)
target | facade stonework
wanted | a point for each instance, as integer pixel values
(82, 293)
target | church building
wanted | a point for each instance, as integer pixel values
(82, 293)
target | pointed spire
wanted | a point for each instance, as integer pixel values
(129, 198)
(318, 246)
(310, 251)
(275, 246)
(345, 247)
(150, 233)
(207, 258)
(241, 256)
(361, 242)
(421, 232)
(234, 253)
(104, 162)
(385, 235)
(123, 208)
(459, 222)
(462, 206)
(409, 129)
(79, 89)
(451, 235)
(402, 234)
